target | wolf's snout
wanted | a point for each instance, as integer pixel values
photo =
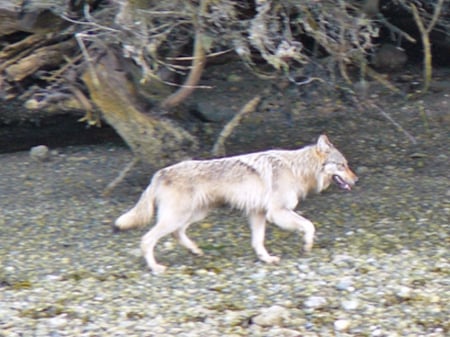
(342, 183)
(353, 176)
(347, 182)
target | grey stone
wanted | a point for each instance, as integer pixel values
(39, 153)
(315, 302)
(274, 315)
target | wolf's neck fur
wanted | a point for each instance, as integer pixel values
(306, 162)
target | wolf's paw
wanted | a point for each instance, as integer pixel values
(194, 249)
(197, 251)
(307, 247)
(158, 269)
(270, 259)
(274, 260)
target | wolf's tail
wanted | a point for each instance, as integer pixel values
(141, 214)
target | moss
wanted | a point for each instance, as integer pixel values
(226, 304)
(45, 311)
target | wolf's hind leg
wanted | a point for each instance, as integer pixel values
(258, 228)
(290, 220)
(149, 240)
(180, 233)
(184, 240)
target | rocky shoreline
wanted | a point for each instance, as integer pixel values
(373, 272)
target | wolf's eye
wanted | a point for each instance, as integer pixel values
(335, 163)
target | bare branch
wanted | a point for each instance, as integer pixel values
(219, 147)
(198, 64)
(425, 35)
(396, 124)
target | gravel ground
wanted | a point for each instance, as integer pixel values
(380, 265)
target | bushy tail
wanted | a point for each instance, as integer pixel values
(141, 214)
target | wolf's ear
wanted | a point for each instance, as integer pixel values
(324, 144)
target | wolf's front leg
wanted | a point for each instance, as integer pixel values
(290, 220)
(258, 228)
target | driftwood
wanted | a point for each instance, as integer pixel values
(43, 57)
(157, 141)
(8, 16)
(109, 85)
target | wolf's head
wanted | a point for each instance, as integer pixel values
(334, 167)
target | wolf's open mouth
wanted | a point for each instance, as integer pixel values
(341, 183)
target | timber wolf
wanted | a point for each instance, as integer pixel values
(265, 185)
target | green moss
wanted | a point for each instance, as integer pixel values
(21, 285)
(45, 311)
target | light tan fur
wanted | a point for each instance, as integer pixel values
(265, 185)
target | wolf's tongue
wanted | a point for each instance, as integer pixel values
(341, 183)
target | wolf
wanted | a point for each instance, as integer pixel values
(266, 186)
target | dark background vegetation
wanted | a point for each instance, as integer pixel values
(134, 64)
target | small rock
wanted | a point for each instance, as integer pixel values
(233, 317)
(417, 155)
(259, 275)
(341, 324)
(201, 272)
(136, 252)
(304, 268)
(58, 321)
(345, 284)
(315, 302)
(404, 292)
(362, 170)
(389, 58)
(209, 111)
(350, 305)
(377, 332)
(275, 315)
(234, 78)
(39, 153)
(343, 260)
(309, 325)
(283, 332)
